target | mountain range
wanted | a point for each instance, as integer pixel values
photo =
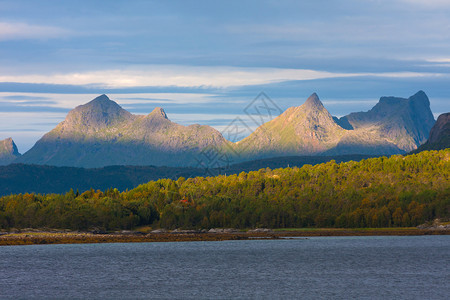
(101, 133)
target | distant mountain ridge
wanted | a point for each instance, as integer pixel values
(101, 133)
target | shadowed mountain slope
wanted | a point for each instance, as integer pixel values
(405, 123)
(439, 135)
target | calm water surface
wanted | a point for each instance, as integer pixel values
(320, 267)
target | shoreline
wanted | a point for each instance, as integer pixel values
(36, 237)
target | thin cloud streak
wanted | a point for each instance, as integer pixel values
(439, 60)
(24, 31)
(184, 76)
(70, 101)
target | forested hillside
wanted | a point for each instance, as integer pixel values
(376, 192)
(20, 178)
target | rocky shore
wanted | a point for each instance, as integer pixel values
(437, 224)
(34, 236)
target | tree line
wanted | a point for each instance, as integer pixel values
(377, 192)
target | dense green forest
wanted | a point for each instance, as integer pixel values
(376, 192)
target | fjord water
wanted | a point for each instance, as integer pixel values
(319, 267)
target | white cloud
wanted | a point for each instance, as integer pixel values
(402, 74)
(175, 76)
(439, 60)
(173, 98)
(18, 31)
(185, 76)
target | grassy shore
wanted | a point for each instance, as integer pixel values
(45, 237)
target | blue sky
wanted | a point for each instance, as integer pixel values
(204, 61)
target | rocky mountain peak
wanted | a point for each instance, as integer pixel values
(101, 99)
(391, 104)
(386, 101)
(8, 146)
(313, 102)
(305, 129)
(99, 112)
(102, 104)
(158, 112)
(420, 97)
(403, 122)
(421, 115)
(420, 103)
(8, 151)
